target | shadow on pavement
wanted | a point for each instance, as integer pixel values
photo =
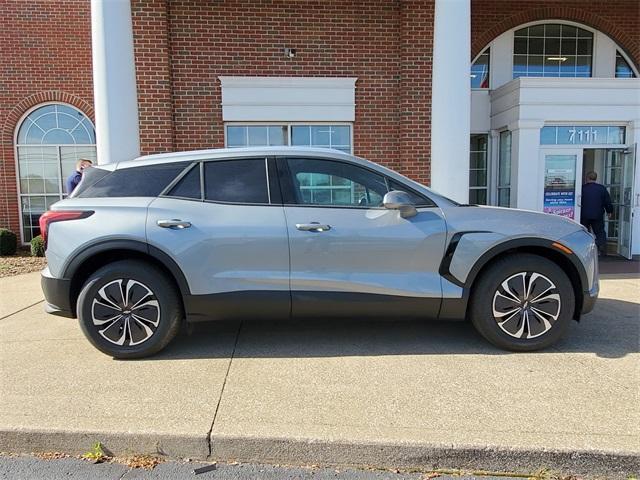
(612, 330)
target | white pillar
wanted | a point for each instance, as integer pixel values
(526, 165)
(114, 81)
(451, 99)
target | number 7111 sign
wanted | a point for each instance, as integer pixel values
(582, 135)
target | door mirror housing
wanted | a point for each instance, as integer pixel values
(398, 200)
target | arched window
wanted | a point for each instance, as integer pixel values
(552, 50)
(50, 140)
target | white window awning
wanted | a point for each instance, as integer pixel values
(292, 99)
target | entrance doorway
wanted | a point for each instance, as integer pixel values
(615, 169)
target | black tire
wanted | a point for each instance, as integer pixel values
(143, 284)
(502, 329)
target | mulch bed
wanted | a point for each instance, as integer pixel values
(21, 262)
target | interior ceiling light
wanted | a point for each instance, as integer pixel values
(560, 59)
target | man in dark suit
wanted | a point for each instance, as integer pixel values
(595, 201)
(74, 179)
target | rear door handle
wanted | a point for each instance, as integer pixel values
(174, 223)
(313, 227)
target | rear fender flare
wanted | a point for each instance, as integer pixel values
(86, 253)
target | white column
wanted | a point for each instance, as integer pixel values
(451, 99)
(114, 81)
(526, 169)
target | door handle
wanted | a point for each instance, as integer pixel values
(174, 223)
(313, 227)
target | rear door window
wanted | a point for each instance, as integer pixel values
(144, 181)
(237, 181)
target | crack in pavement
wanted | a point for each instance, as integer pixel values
(22, 309)
(224, 384)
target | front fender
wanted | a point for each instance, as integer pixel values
(469, 252)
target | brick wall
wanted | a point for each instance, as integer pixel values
(386, 44)
(620, 19)
(45, 56)
(182, 46)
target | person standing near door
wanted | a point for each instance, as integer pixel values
(595, 202)
(74, 179)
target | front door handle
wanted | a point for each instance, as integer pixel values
(313, 227)
(174, 223)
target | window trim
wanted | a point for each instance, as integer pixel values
(19, 124)
(284, 171)
(289, 125)
(201, 165)
(280, 173)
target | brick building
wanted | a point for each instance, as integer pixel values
(553, 88)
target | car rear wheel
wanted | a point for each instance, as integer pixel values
(129, 309)
(522, 302)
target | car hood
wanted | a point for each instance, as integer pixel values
(509, 222)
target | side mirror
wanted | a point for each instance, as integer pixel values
(397, 200)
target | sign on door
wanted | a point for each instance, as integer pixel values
(560, 185)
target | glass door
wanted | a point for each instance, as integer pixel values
(611, 178)
(562, 186)
(625, 208)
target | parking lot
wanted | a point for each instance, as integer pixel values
(390, 393)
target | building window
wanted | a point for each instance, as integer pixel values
(51, 139)
(504, 170)
(480, 71)
(623, 69)
(552, 50)
(478, 178)
(334, 136)
(256, 135)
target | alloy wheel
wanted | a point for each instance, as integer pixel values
(125, 312)
(526, 305)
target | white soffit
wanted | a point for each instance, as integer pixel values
(291, 99)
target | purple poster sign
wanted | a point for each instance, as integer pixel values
(560, 185)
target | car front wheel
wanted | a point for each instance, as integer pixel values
(522, 302)
(129, 309)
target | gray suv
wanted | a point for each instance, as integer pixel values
(143, 246)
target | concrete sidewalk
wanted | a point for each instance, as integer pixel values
(392, 394)
(19, 292)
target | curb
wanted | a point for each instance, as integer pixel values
(428, 457)
(425, 456)
(21, 440)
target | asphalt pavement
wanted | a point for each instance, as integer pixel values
(32, 468)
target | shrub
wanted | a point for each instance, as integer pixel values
(37, 246)
(8, 242)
